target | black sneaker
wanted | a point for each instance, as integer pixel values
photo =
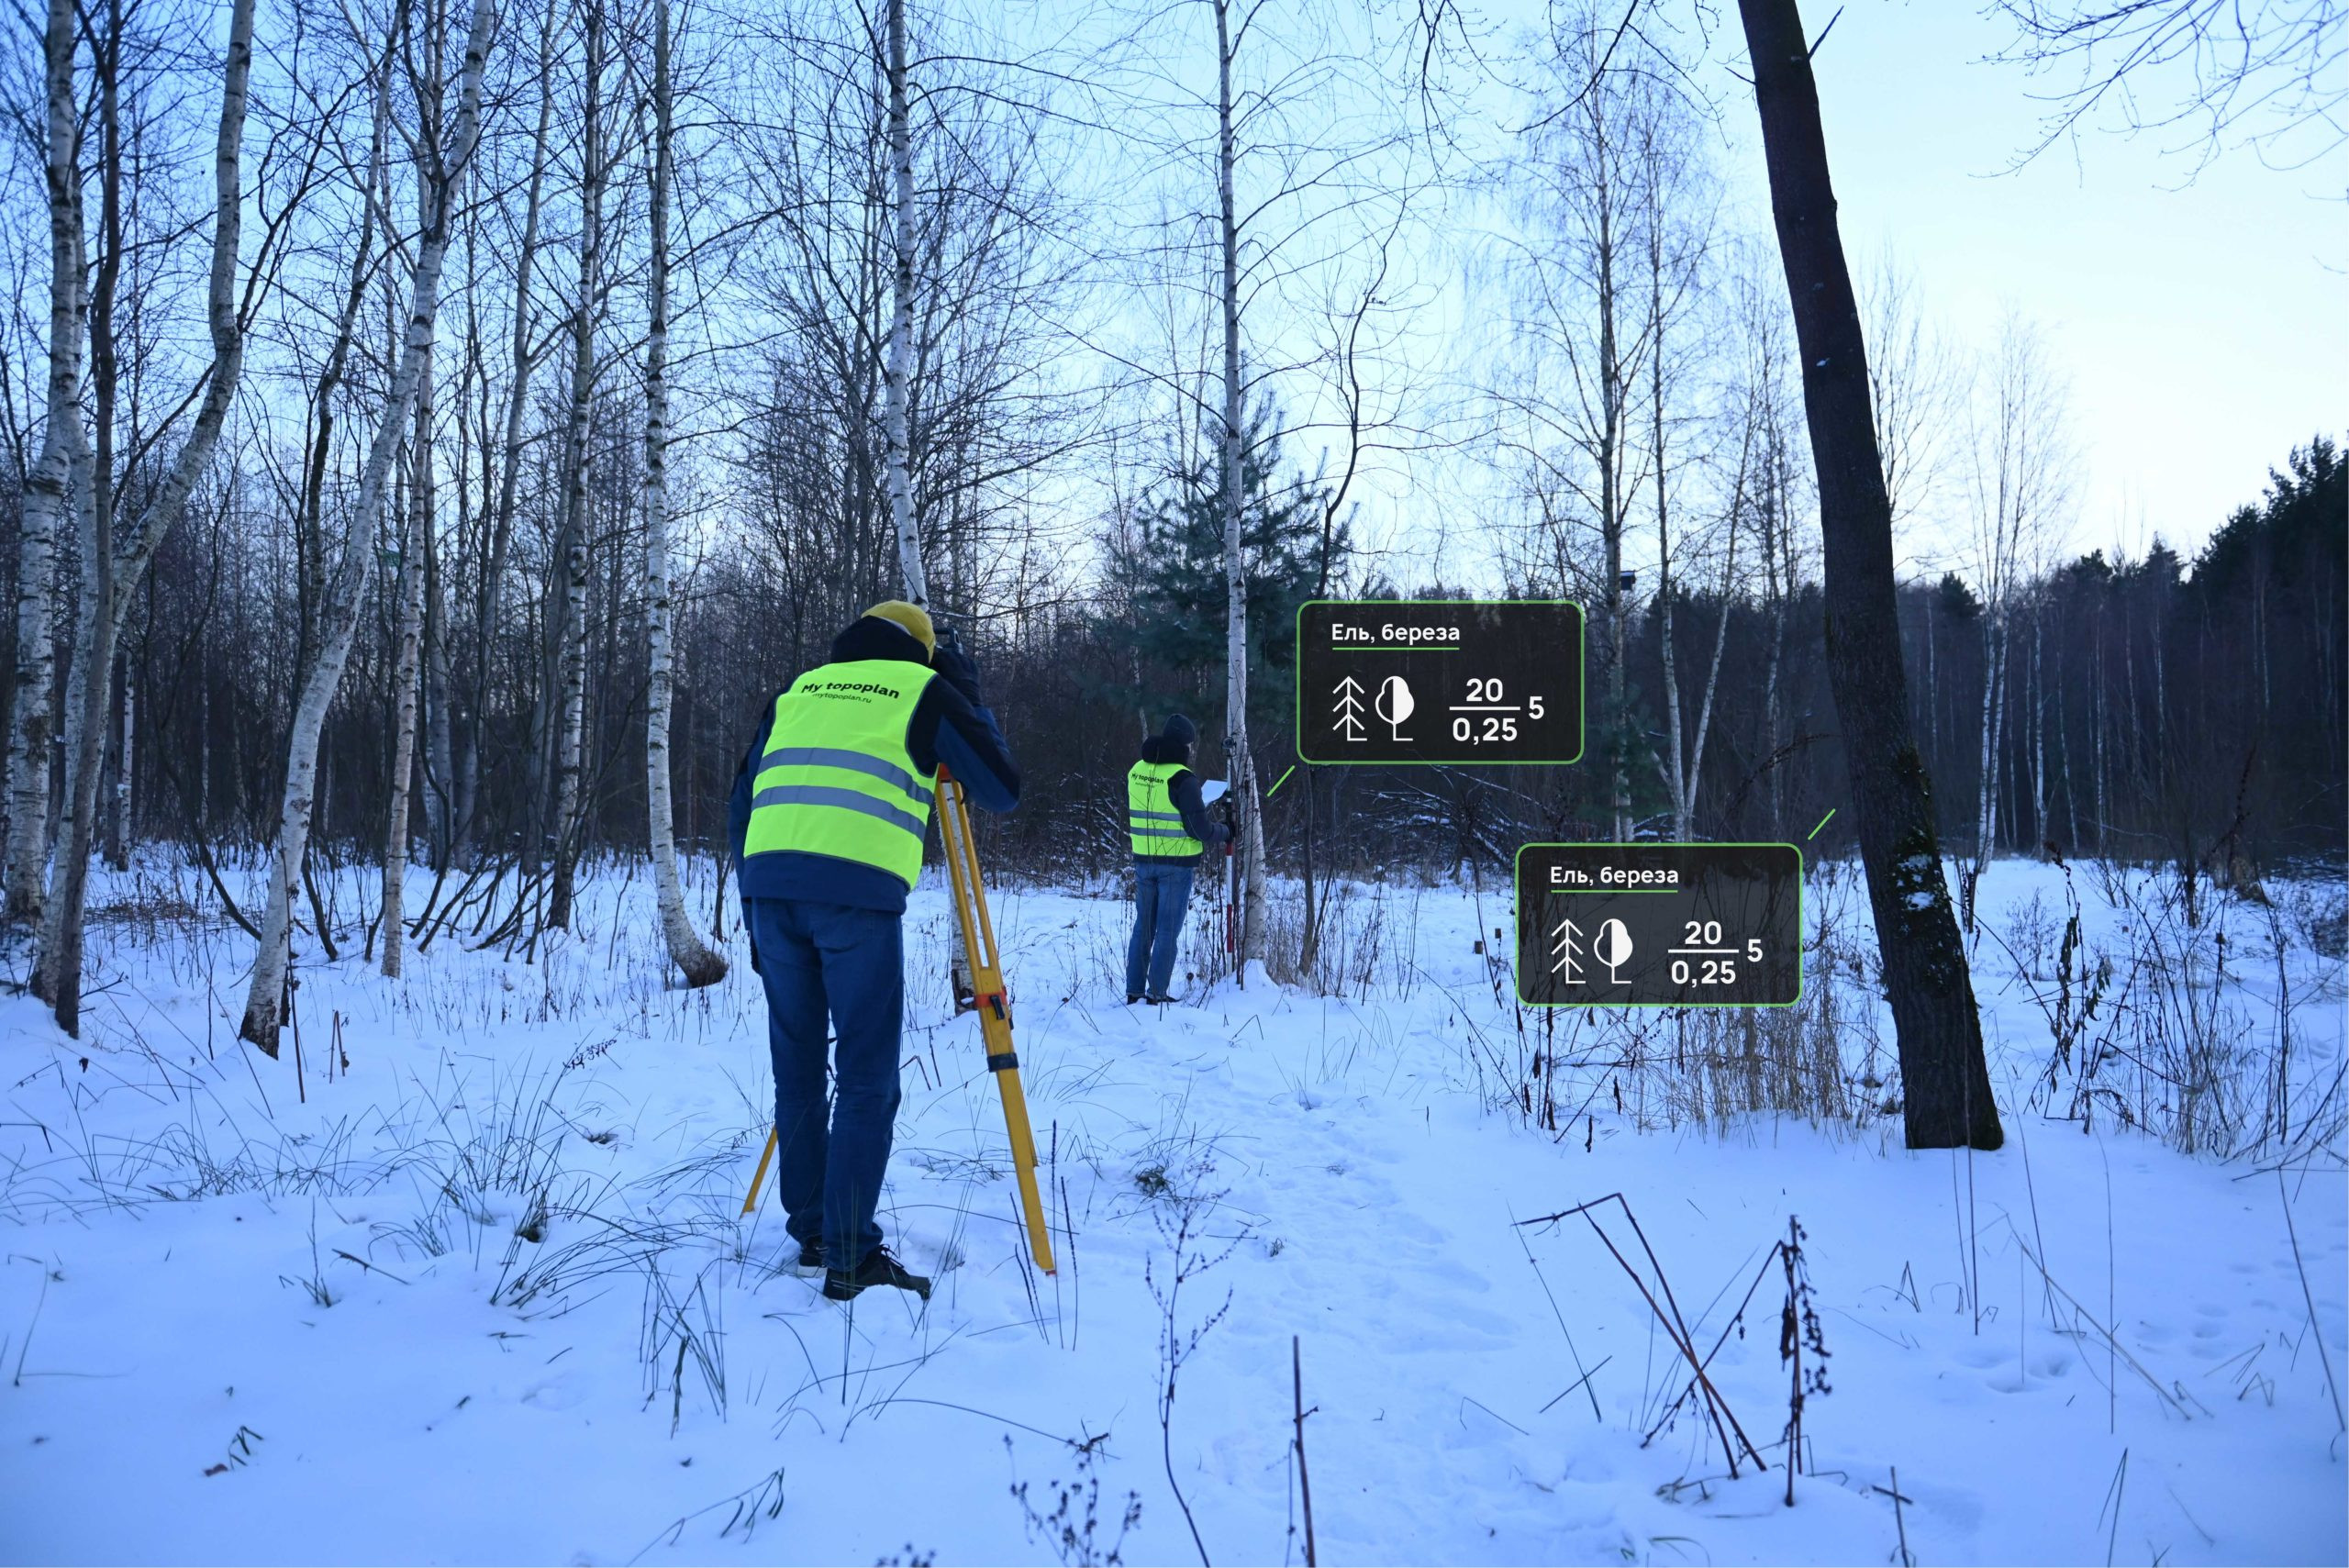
(810, 1260)
(878, 1268)
(1133, 998)
(1162, 1001)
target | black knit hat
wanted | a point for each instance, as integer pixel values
(1180, 730)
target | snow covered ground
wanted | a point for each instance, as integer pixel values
(483, 1295)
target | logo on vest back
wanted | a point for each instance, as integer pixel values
(844, 688)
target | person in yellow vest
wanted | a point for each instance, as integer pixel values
(828, 818)
(1168, 824)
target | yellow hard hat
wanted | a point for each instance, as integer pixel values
(911, 616)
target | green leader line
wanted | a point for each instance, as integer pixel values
(1822, 822)
(1278, 782)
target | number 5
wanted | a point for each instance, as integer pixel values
(1533, 707)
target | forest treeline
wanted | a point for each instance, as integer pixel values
(433, 431)
(2146, 708)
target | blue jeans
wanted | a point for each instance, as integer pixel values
(820, 960)
(1161, 894)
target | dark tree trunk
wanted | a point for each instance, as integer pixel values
(1945, 1087)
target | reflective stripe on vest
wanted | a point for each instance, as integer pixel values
(1152, 821)
(836, 778)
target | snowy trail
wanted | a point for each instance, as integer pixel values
(1357, 1189)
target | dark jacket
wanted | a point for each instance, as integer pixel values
(1184, 788)
(947, 727)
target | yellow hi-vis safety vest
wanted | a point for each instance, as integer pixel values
(1155, 827)
(836, 779)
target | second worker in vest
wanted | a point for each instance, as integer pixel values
(1170, 828)
(828, 817)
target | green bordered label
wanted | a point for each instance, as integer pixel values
(1659, 925)
(1458, 681)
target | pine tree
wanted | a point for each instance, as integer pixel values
(1181, 601)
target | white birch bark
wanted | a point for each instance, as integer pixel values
(1238, 758)
(263, 1019)
(1994, 662)
(898, 367)
(486, 603)
(1685, 778)
(415, 548)
(406, 668)
(687, 949)
(570, 730)
(31, 725)
(113, 568)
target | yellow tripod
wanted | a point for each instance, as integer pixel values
(994, 1007)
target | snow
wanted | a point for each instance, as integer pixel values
(640, 1384)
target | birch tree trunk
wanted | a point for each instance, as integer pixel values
(1985, 810)
(407, 669)
(570, 734)
(1612, 510)
(1684, 781)
(898, 367)
(31, 725)
(415, 547)
(1677, 778)
(263, 1016)
(1240, 759)
(112, 569)
(687, 949)
(486, 599)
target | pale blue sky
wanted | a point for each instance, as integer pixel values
(2195, 310)
(2202, 326)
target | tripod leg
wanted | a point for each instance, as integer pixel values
(760, 1179)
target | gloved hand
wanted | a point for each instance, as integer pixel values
(956, 667)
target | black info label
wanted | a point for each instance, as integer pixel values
(1402, 681)
(1659, 925)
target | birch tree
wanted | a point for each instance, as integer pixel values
(511, 444)
(442, 166)
(1677, 234)
(1240, 759)
(2017, 466)
(415, 543)
(1582, 337)
(898, 369)
(406, 666)
(687, 949)
(114, 560)
(569, 731)
(31, 723)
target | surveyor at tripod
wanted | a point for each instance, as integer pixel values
(828, 818)
(1168, 822)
